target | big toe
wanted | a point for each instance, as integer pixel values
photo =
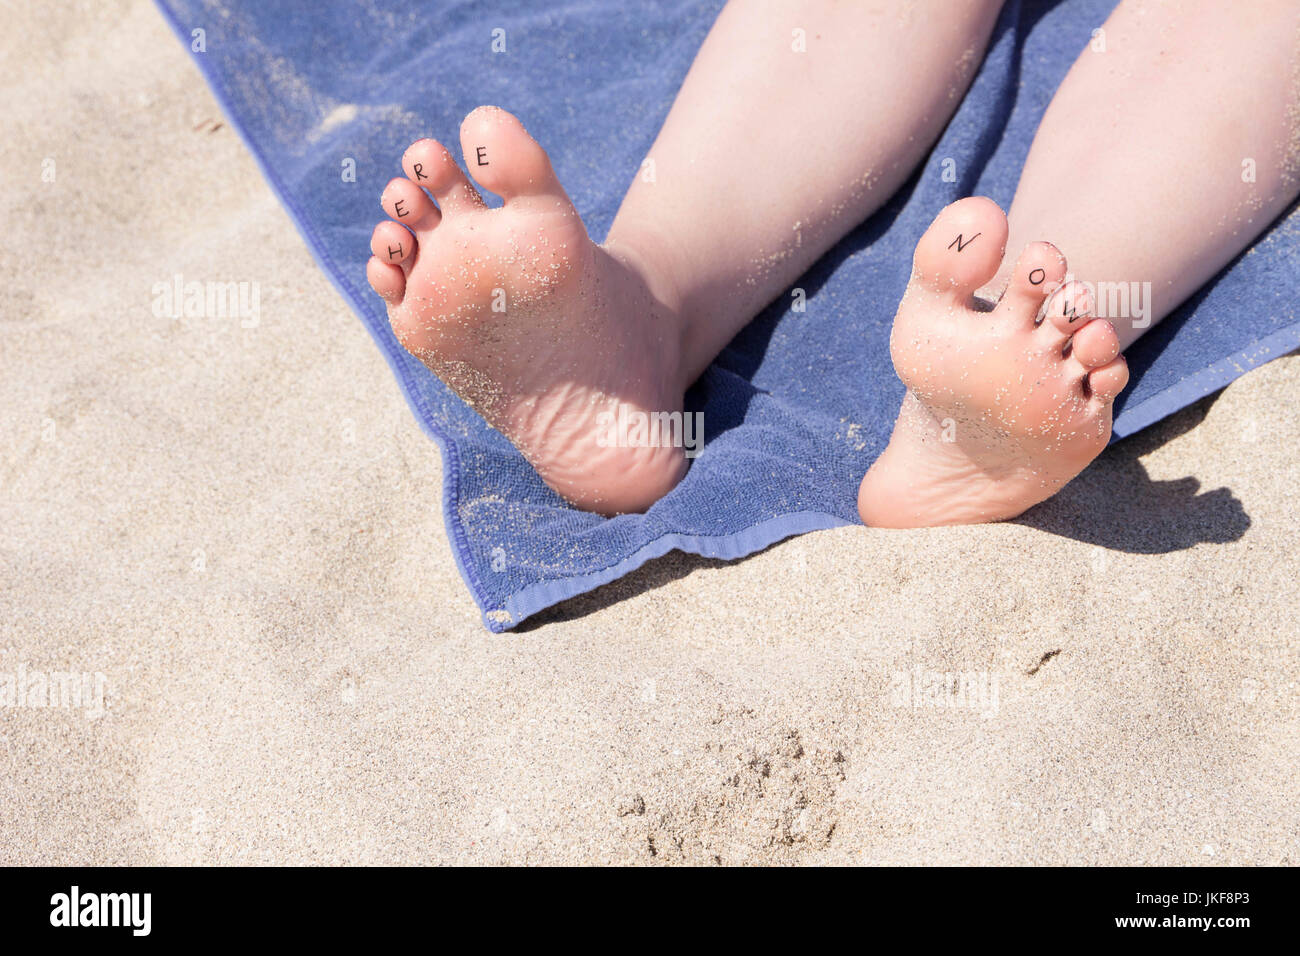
(502, 157)
(962, 249)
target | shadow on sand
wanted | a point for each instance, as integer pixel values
(1117, 505)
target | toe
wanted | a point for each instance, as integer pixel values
(429, 164)
(1095, 344)
(1108, 381)
(408, 204)
(502, 157)
(391, 243)
(1039, 271)
(387, 280)
(1065, 312)
(962, 249)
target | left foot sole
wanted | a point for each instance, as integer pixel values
(547, 335)
(1003, 407)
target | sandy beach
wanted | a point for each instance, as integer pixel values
(238, 530)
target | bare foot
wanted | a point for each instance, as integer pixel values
(1003, 407)
(547, 335)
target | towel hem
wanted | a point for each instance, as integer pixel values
(537, 597)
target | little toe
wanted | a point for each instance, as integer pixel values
(962, 249)
(391, 243)
(407, 203)
(502, 157)
(1039, 271)
(389, 281)
(428, 163)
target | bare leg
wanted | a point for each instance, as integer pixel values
(1165, 155)
(797, 120)
(1137, 174)
(772, 154)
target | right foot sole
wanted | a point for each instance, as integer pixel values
(1003, 407)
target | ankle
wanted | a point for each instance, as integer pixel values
(709, 307)
(646, 258)
(643, 253)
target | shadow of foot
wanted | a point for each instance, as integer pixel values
(1117, 505)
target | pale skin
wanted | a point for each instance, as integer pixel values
(769, 156)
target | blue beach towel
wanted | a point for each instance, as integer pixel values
(801, 402)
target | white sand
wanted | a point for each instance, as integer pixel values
(239, 529)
